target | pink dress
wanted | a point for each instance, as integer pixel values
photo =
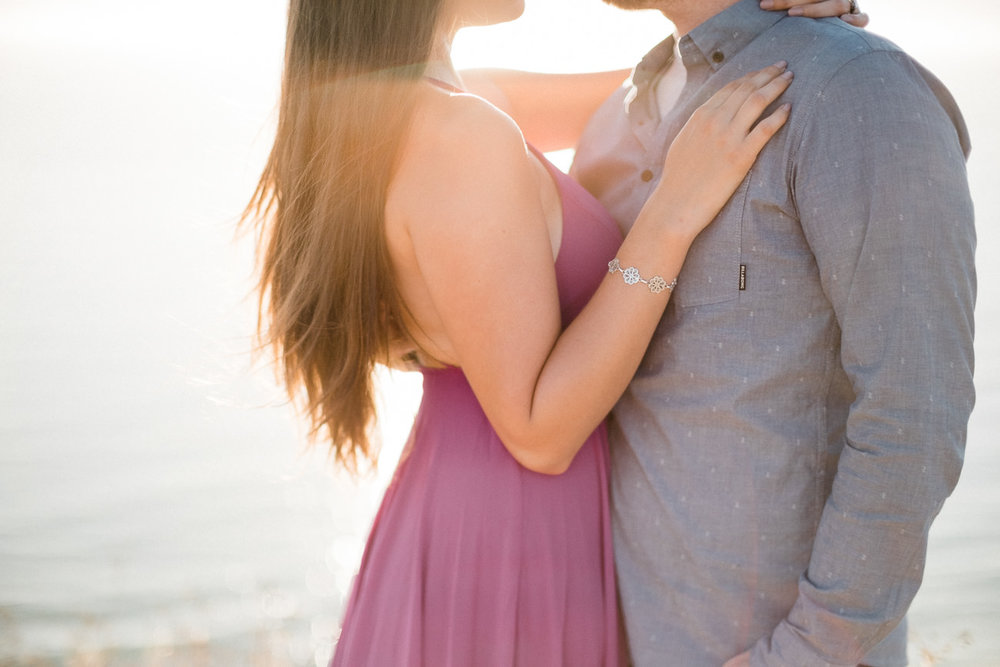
(475, 560)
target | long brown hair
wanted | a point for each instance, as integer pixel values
(328, 304)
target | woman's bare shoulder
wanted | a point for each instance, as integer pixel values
(458, 147)
(462, 121)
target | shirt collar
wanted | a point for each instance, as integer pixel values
(714, 42)
(653, 63)
(720, 38)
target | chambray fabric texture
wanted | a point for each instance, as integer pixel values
(780, 455)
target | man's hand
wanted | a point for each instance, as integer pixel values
(742, 660)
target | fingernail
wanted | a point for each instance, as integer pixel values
(781, 64)
(787, 74)
(785, 107)
(795, 11)
(766, 4)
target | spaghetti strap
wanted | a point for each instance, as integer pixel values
(443, 84)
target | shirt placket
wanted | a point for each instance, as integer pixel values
(657, 135)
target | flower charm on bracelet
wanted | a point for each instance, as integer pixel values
(656, 284)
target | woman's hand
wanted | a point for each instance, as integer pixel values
(846, 10)
(717, 146)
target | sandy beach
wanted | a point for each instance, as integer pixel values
(156, 506)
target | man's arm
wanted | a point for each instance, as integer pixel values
(879, 181)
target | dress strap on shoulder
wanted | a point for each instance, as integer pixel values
(443, 84)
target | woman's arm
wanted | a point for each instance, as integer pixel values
(550, 109)
(465, 208)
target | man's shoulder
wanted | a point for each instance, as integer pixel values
(813, 47)
(845, 72)
(825, 44)
(844, 66)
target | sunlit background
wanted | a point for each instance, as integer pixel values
(155, 504)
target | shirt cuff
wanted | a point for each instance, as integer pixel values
(786, 647)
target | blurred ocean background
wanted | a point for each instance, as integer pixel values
(156, 504)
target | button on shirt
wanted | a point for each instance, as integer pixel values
(801, 413)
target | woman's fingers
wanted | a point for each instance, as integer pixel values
(742, 108)
(759, 99)
(725, 125)
(731, 97)
(812, 8)
(846, 10)
(859, 20)
(764, 130)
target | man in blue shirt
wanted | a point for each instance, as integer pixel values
(801, 414)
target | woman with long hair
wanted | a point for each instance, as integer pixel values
(397, 214)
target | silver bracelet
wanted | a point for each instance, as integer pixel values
(631, 275)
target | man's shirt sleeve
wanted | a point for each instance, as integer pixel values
(878, 176)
